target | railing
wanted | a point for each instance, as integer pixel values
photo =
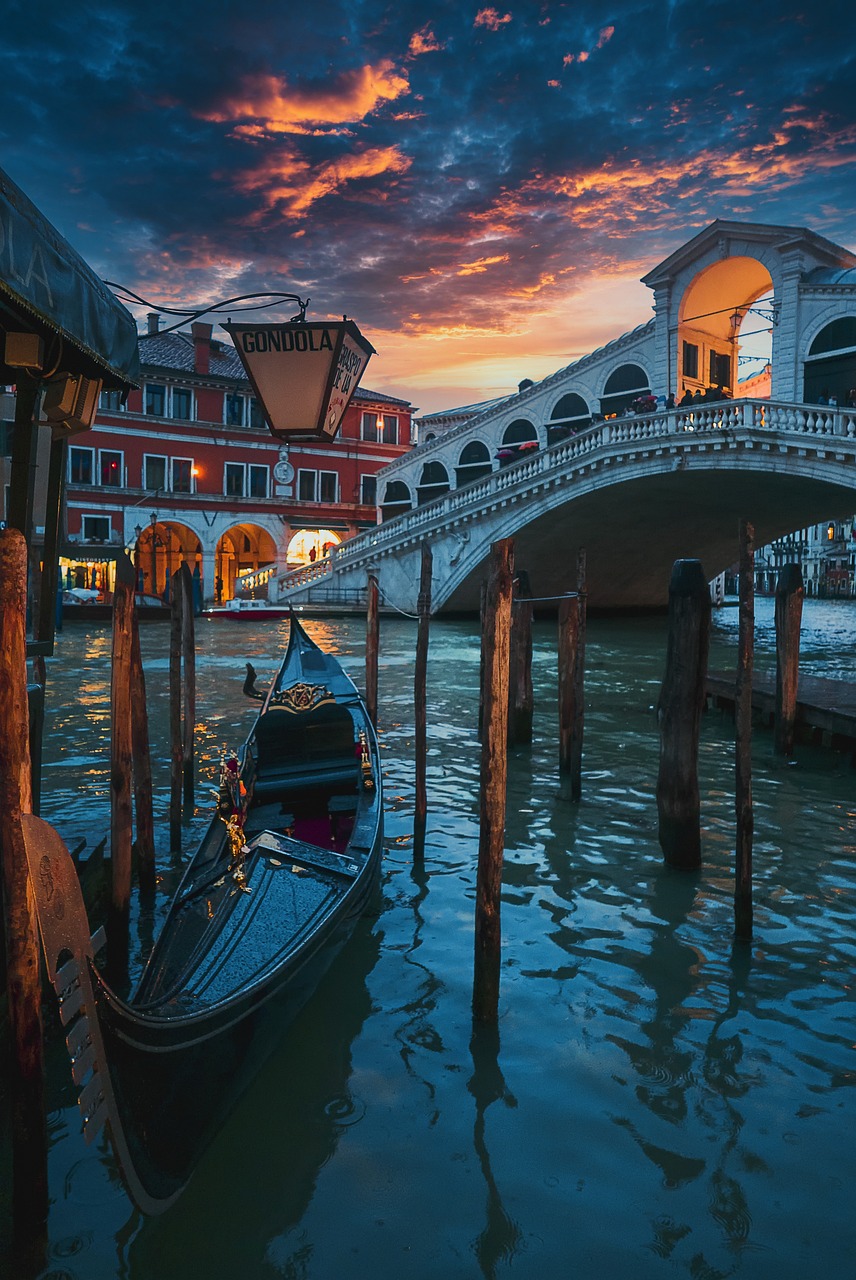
(813, 422)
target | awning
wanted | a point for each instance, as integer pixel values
(47, 288)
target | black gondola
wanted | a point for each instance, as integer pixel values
(272, 893)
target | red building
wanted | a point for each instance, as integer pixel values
(187, 470)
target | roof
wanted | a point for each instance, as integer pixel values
(831, 275)
(174, 353)
(464, 410)
(56, 294)
(760, 232)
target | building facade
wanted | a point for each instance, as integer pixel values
(186, 470)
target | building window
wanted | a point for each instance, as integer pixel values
(257, 417)
(690, 360)
(182, 403)
(111, 400)
(234, 474)
(389, 429)
(96, 528)
(368, 490)
(155, 399)
(328, 486)
(317, 486)
(110, 468)
(81, 465)
(259, 480)
(182, 475)
(154, 471)
(368, 427)
(720, 369)
(233, 410)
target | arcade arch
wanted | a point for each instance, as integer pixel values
(397, 499)
(830, 363)
(622, 387)
(713, 332)
(308, 545)
(241, 552)
(570, 414)
(473, 463)
(159, 550)
(433, 483)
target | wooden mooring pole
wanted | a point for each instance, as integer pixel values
(521, 702)
(141, 751)
(496, 644)
(572, 650)
(23, 986)
(372, 645)
(743, 749)
(789, 604)
(188, 654)
(679, 715)
(420, 677)
(175, 739)
(121, 771)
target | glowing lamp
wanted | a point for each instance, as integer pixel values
(830, 533)
(304, 373)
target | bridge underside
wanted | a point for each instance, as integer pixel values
(634, 531)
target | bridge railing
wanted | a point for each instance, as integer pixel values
(777, 417)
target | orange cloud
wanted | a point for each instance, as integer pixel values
(490, 18)
(603, 38)
(424, 41)
(480, 265)
(289, 182)
(267, 104)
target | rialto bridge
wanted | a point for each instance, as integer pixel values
(570, 462)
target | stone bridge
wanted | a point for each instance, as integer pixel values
(636, 492)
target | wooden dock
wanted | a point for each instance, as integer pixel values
(825, 714)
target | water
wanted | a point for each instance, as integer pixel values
(654, 1101)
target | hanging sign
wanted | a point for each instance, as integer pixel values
(303, 372)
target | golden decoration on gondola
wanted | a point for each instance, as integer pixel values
(302, 697)
(366, 762)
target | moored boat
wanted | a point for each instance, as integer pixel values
(239, 610)
(273, 892)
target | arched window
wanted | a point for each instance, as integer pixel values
(396, 500)
(830, 366)
(433, 483)
(473, 463)
(622, 387)
(518, 440)
(569, 416)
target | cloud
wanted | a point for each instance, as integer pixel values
(424, 41)
(291, 185)
(491, 19)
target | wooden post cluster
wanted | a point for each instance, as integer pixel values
(520, 696)
(679, 714)
(23, 986)
(743, 750)
(143, 801)
(372, 646)
(496, 644)
(572, 649)
(182, 657)
(789, 603)
(420, 678)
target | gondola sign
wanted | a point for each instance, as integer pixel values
(303, 372)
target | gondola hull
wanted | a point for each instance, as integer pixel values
(270, 897)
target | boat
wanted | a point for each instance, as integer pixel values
(82, 605)
(284, 871)
(239, 610)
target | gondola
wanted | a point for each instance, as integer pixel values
(274, 890)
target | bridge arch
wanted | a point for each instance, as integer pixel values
(570, 414)
(622, 387)
(433, 483)
(473, 463)
(829, 364)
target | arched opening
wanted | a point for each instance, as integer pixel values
(159, 550)
(519, 439)
(724, 326)
(245, 553)
(473, 463)
(433, 483)
(569, 416)
(830, 366)
(308, 545)
(397, 499)
(624, 385)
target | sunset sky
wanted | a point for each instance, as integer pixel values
(479, 187)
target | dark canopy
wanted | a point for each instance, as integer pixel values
(47, 288)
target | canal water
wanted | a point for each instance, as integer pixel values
(655, 1101)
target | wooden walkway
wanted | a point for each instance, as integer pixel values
(826, 709)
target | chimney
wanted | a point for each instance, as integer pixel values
(525, 385)
(153, 321)
(201, 346)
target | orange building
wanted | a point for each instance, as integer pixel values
(187, 470)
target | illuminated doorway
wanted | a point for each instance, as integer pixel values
(310, 545)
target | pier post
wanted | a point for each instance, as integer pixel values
(141, 751)
(175, 741)
(372, 645)
(576, 746)
(23, 985)
(121, 770)
(496, 644)
(789, 604)
(423, 609)
(679, 711)
(520, 696)
(482, 606)
(743, 749)
(188, 646)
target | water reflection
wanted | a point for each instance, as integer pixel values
(501, 1236)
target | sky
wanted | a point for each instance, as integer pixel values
(479, 187)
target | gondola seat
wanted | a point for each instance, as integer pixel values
(304, 751)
